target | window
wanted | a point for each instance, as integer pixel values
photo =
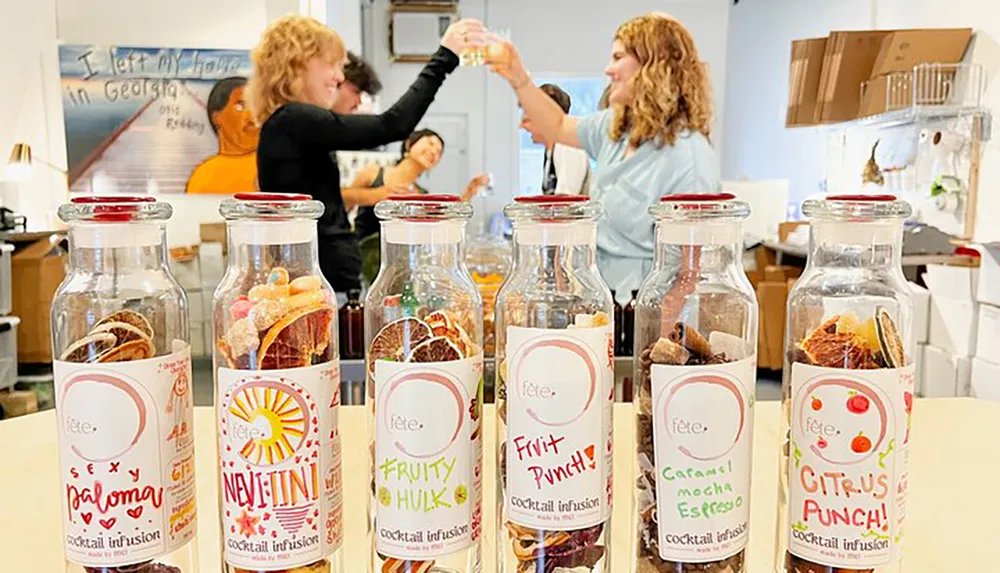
(585, 94)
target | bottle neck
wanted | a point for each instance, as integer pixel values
(855, 244)
(416, 244)
(713, 248)
(117, 248)
(262, 245)
(555, 247)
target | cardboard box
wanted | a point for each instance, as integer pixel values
(847, 63)
(803, 88)
(988, 334)
(988, 283)
(38, 269)
(954, 310)
(18, 403)
(885, 60)
(985, 380)
(945, 375)
(921, 312)
(905, 49)
(771, 298)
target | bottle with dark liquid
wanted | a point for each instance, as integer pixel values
(628, 326)
(352, 321)
(618, 325)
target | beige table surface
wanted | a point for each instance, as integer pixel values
(953, 521)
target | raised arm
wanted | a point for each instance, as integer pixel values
(547, 118)
(332, 131)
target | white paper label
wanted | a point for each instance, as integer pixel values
(279, 456)
(702, 436)
(848, 429)
(126, 453)
(426, 461)
(560, 393)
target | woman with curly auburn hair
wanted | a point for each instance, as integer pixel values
(652, 140)
(298, 67)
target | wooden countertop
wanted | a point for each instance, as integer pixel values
(953, 512)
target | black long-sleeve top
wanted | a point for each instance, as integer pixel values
(293, 156)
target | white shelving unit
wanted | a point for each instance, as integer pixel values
(935, 123)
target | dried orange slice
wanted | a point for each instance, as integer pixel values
(123, 331)
(888, 339)
(396, 340)
(129, 317)
(438, 349)
(296, 339)
(441, 324)
(136, 350)
(89, 348)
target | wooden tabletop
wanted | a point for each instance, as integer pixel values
(953, 512)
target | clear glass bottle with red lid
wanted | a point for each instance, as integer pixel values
(847, 393)
(277, 377)
(424, 324)
(696, 366)
(122, 373)
(555, 391)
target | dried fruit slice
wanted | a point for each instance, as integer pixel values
(888, 339)
(438, 349)
(321, 566)
(396, 340)
(130, 317)
(297, 338)
(136, 350)
(441, 324)
(89, 348)
(123, 331)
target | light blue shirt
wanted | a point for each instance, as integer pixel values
(627, 187)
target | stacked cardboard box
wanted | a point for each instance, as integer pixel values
(861, 73)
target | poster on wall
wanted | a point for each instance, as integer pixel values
(157, 120)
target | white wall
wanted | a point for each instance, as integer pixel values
(757, 143)
(568, 37)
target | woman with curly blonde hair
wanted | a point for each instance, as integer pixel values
(653, 139)
(298, 67)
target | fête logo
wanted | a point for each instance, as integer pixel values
(699, 434)
(423, 435)
(95, 437)
(554, 369)
(845, 419)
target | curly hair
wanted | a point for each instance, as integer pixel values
(671, 91)
(280, 60)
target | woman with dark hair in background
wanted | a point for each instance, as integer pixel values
(298, 67)
(419, 154)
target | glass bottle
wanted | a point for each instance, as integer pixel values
(120, 336)
(555, 391)
(352, 323)
(425, 384)
(696, 366)
(628, 328)
(617, 321)
(847, 393)
(277, 378)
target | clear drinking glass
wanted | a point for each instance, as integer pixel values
(847, 393)
(555, 391)
(696, 364)
(423, 318)
(277, 376)
(123, 393)
(491, 52)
